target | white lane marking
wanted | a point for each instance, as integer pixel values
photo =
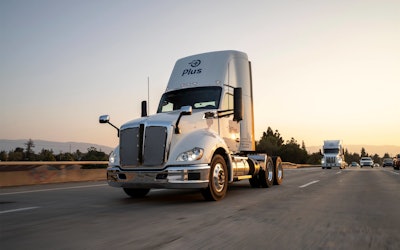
(52, 189)
(339, 172)
(394, 172)
(17, 210)
(308, 184)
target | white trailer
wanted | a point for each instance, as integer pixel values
(333, 154)
(202, 135)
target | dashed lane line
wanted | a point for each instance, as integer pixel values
(308, 184)
(17, 210)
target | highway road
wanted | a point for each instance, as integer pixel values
(312, 209)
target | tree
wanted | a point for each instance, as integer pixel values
(363, 153)
(3, 156)
(94, 155)
(16, 155)
(376, 158)
(292, 152)
(270, 142)
(29, 154)
(65, 157)
(78, 155)
(46, 155)
(314, 158)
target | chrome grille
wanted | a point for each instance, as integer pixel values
(330, 159)
(143, 146)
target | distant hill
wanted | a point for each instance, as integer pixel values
(57, 147)
(370, 149)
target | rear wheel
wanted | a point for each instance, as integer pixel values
(137, 192)
(278, 170)
(266, 176)
(218, 180)
(254, 182)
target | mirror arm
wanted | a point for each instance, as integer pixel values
(114, 127)
(177, 129)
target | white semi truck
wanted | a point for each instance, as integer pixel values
(333, 154)
(201, 137)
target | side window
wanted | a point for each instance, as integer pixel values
(168, 106)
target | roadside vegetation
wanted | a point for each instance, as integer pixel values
(28, 154)
(272, 143)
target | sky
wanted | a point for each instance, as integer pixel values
(321, 69)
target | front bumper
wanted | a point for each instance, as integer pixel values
(331, 165)
(366, 164)
(188, 176)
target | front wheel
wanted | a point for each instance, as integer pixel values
(137, 192)
(217, 181)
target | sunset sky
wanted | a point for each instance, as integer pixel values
(321, 69)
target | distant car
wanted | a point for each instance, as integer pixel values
(376, 165)
(396, 162)
(354, 164)
(366, 162)
(387, 162)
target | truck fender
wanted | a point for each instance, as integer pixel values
(206, 139)
(210, 142)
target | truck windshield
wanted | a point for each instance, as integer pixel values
(198, 98)
(331, 150)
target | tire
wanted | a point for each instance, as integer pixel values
(254, 182)
(278, 170)
(266, 176)
(217, 180)
(137, 192)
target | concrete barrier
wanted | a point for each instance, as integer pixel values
(32, 173)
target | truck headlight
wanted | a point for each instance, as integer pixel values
(191, 155)
(323, 161)
(113, 159)
(339, 160)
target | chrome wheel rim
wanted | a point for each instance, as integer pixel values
(280, 172)
(270, 172)
(219, 177)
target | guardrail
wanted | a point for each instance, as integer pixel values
(20, 173)
(24, 163)
(294, 165)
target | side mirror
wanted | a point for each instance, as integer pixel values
(106, 119)
(237, 105)
(185, 110)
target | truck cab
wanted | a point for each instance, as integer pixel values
(333, 155)
(202, 135)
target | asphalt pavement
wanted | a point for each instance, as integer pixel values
(312, 209)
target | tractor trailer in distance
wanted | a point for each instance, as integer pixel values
(333, 154)
(202, 136)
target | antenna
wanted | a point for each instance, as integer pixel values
(148, 95)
